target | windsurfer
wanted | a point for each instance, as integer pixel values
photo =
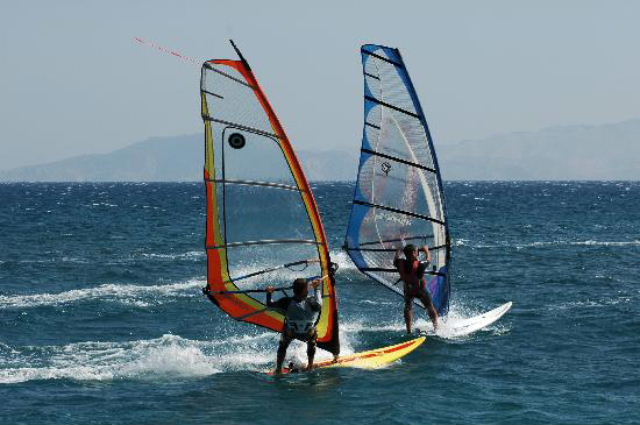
(412, 271)
(301, 313)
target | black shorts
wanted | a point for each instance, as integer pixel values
(289, 335)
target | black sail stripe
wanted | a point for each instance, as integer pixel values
(212, 94)
(237, 80)
(240, 126)
(409, 213)
(435, 248)
(265, 242)
(410, 238)
(256, 183)
(382, 58)
(253, 313)
(371, 76)
(390, 106)
(396, 159)
(271, 269)
(388, 270)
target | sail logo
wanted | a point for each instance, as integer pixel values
(386, 167)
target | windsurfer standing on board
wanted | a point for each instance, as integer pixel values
(412, 271)
(301, 313)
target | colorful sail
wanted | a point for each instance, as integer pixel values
(398, 196)
(263, 226)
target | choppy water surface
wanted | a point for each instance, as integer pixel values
(103, 320)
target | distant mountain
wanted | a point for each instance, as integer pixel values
(603, 152)
(167, 159)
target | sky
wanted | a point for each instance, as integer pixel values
(74, 81)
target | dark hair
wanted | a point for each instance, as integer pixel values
(408, 251)
(299, 285)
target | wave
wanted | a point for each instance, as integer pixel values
(171, 356)
(168, 356)
(599, 303)
(163, 358)
(139, 295)
(542, 244)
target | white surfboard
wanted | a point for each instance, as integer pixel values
(454, 328)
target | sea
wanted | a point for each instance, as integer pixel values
(102, 318)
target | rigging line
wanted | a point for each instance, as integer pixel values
(171, 52)
(396, 159)
(411, 214)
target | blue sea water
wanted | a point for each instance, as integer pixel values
(102, 318)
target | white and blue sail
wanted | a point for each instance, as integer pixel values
(398, 196)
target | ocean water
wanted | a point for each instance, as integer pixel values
(102, 318)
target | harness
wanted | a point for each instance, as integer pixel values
(411, 278)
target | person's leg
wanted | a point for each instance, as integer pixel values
(285, 340)
(408, 312)
(311, 348)
(431, 310)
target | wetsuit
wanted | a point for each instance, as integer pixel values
(300, 320)
(415, 286)
(414, 281)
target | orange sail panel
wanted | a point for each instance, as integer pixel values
(263, 226)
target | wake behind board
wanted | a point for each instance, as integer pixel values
(453, 328)
(372, 359)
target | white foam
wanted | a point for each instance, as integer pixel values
(185, 255)
(167, 357)
(144, 295)
(163, 358)
(342, 259)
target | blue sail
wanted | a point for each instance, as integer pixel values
(398, 197)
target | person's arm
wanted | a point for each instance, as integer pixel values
(425, 248)
(316, 304)
(270, 290)
(281, 304)
(396, 258)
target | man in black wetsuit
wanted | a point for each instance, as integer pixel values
(301, 313)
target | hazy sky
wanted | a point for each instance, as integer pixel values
(74, 81)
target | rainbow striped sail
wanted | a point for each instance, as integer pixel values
(263, 226)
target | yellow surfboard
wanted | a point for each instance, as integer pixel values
(371, 359)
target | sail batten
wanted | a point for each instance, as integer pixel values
(398, 196)
(262, 218)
